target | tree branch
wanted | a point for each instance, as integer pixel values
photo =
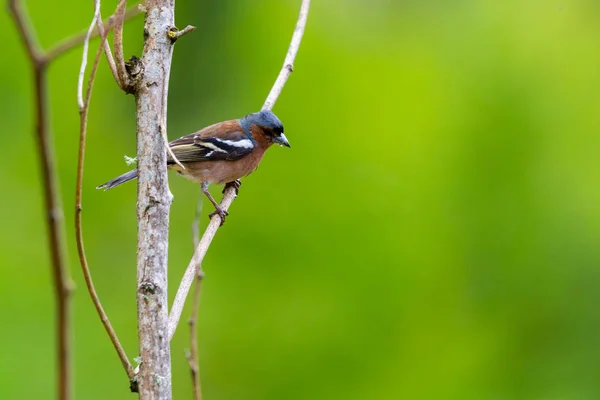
(27, 33)
(107, 51)
(288, 63)
(71, 42)
(175, 34)
(84, 57)
(192, 355)
(124, 82)
(153, 204)
(84, 104)
(63, 285)
(230, 192)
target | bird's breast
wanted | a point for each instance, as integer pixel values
(220, 172)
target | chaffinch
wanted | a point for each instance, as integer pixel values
(221, 153)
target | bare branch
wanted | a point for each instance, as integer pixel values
(107, 51)
(230, 192)
(123, 81)
(175, 34)
(153, 203)
(26, 32)
(163, 129)
(63, 285)
(83, 114)
(86, 44)
(196, 262)
(288, 63)
(192, 355)
(71, 42)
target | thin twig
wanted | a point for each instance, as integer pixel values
(107, 51)
(63, 285)
(196, 222)
(83, 114)
(195, 263)
(73, 41)
(86, 44)
(163, 131)
(192, 355)
(26, 32)
(175, 34)
(288, 63)
(230, 192)
(123, 80)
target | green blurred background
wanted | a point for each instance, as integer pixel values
(432, 233)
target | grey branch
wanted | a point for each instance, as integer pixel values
(230, 193)
(195, 263)
(153, 204)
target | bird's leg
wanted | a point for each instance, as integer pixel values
(218, 210)
(235, 184)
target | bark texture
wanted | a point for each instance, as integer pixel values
(154, 201)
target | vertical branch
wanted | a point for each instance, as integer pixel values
(154, 201)
(84, 57)
(192, 355)
(54, 213)
(63, 286)
(123, 77)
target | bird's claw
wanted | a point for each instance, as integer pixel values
(234, 184)
(221, 213)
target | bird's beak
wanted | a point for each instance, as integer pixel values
(281, 140)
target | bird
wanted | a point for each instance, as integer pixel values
(221, 153)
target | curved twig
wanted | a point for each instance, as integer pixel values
(71, 42)
(123, 81)
(107, 51)
(230, 192)
(84, 57)
(84, 105)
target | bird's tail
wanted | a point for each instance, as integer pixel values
(126, 177)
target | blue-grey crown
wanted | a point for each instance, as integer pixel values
(264, 118)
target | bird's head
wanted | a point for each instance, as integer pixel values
(269, 123)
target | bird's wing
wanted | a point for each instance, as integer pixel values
(222, 141)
